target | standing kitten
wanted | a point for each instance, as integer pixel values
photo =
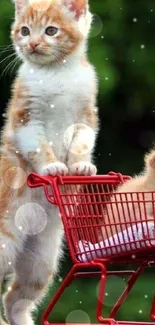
(51, 128)
(127, 211)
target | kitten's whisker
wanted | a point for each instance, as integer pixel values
(8, 57)
(6, 49)
(14, 65)
(8, 66)
(60, 56)
(6, 46)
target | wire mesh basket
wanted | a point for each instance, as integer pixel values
(100, 222)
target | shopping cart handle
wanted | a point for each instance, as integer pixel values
(35, 180)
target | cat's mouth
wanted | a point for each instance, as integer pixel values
(36, 52)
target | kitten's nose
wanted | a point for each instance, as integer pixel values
(33, 45)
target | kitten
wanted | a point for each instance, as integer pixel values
(127, 211)
(51, 128)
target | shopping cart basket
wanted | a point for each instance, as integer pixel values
(90, 207)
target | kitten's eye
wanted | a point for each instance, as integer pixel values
(51, 31)
(25, 31)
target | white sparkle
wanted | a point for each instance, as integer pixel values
(12, 32)
(135, 20)
(106, 294)
(17, 151)
(9, 263)
(80, 302)
(17, 48)
(38, 150)
(64, 61)
(106, 59)
(153, 111)
(142, 46)
(102, 36)
(109, 154)
(9, 288)
(57, 133)
(149, 21)
(52, 105)
(151, 10)
(146, 296)
(20, 227)
(95, 109)
(22, 121)
(41, 81)
(120, 8)
(140, 311)
(106, 78)
(133, 256)
(76, 290)
(31, 71)
(7, 211)
(3, 245)
(3, 114)
(51, 143)
(60, 279)
(133, 60)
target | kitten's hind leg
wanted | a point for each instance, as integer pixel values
(35, 268)
(8, 251)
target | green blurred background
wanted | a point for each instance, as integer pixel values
(122, 48)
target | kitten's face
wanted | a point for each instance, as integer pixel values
(49, 35)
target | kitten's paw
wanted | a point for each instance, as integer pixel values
(83, 168)
(54, 169)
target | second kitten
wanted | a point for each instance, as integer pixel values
(130, 195)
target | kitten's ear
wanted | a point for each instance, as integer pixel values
(79, 7)
(20, 4)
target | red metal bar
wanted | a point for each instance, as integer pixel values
(100, 298)
(106, 322)
(98, 273)
(132, 280)
(152, 313)
(65, 284)
(34, 179)
(59, 292)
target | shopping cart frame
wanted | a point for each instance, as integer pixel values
(98, 267)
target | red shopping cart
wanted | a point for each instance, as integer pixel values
(88, 205)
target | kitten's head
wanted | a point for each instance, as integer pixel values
(47, 31)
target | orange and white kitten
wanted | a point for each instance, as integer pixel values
(132, 209)
(50, 128)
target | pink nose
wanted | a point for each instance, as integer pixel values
(34, 45)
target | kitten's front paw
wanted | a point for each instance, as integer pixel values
(83, 168)
(54, 169)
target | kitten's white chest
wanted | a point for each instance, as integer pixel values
(58, 97)
(60, 85)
